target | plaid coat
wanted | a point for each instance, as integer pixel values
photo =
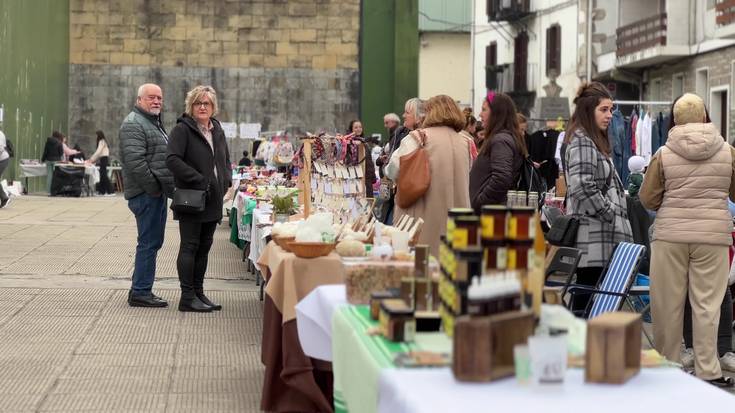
(595, 194)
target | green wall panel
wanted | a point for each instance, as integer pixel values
(389, 42)
(34, 76)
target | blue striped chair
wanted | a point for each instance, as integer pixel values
(613, 289)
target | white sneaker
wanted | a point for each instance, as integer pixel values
(687, 358)
(727, 361)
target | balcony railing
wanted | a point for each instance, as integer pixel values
(508, 10)
(641, 35)
(725, 10)
(510, 79)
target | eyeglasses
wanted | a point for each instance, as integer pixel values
(204, 105)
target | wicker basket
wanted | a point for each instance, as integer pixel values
(283, 242)
(311, 249)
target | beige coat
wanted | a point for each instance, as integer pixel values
(688, 181)
(449, 163)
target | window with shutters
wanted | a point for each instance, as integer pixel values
(491, 54)
(553, 49)
(520, 63)
(491, 66)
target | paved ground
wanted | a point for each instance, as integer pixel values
(69, 342)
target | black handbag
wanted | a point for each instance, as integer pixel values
(189, 201)
(563, 232)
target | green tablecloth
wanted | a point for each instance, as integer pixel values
(358, 357)
(234, 232)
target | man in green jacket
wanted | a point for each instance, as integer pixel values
(148, 184)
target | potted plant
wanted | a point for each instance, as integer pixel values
(284, 204)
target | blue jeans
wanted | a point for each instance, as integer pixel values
(150, 215)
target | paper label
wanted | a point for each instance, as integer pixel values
(512, 259)
(488, 226)
(512, 228)
(460, 238)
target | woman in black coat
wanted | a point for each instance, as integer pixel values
(198, 159)
(498, 165)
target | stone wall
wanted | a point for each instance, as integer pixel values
(719, 66)
(276, 62)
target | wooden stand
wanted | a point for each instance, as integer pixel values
(613, 348)
(483, 346)
(304, 181)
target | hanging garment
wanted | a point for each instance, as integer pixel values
(627, 147)
(633, 126)
(645, 137)
(616, 135)
(541, 149)
(638, 131)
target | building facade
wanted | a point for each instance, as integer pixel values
(277, 63)
(445, 52)
(529, 50)
(662, 49)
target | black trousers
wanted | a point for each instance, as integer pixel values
(196, 241)
(724, 329)
(585, 276)
(105, 184)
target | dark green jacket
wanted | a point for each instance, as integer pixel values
(143, 143)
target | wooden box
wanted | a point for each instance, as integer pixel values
(613, 348)
(483, 346)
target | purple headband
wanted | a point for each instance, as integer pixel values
(490, 96)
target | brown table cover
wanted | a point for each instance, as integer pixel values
(293, 382)
(291, 278)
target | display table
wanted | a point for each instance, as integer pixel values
(314, 319)
(260, 229)
(292, 380)
(359, 358)
(91, 172)
(653, 390)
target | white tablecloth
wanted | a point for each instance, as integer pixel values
(314, 319)
(92, 172)
(259, 233)
(30, 171)
(653, 390)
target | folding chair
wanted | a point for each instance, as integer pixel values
(613, 289)
(564, 264)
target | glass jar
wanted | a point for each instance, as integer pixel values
(496, 255)
(493, 221)
(453, 214)
(467, 232)
(520, 254)
(520, 224)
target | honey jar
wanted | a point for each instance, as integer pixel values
(467, 232)
(469, 263)
(492, 220)
(496, 255)
(520, 254)
(455, 213)
(520, 224)
(375, 299)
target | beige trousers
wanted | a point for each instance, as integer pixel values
(702, 270)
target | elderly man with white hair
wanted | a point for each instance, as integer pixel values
(148, 182)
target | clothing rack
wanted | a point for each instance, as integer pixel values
(640, 102)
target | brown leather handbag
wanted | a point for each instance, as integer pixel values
(414, 176)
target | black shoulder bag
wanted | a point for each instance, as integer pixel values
(190, 201)
(563, 231)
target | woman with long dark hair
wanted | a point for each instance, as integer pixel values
(498, 164)
(102, 154)
(594, 191)
(357, 130)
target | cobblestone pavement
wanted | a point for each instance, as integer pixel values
(70, 342)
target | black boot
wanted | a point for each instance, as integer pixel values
(193, 304)
(203, 298)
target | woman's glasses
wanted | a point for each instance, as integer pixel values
(204, 105)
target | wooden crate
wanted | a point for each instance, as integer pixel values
(613, 348)
(483, 346)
